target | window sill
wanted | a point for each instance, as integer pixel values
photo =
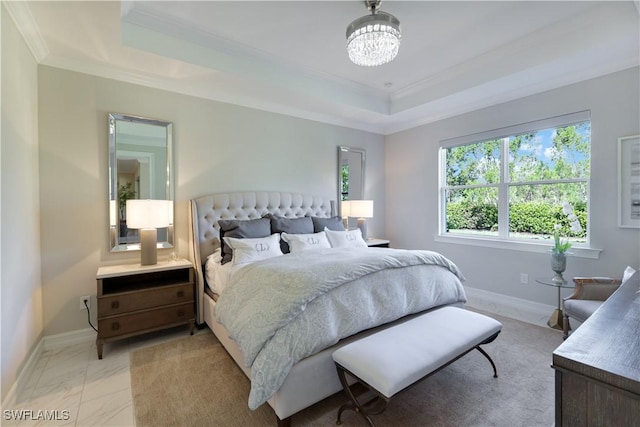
(576, 251)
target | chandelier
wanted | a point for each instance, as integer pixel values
(373, 39)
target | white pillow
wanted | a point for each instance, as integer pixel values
(346, 239)
(305, 242)
(250, 250)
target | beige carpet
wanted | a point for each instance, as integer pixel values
(192, 381)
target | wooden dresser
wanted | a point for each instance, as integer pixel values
(135, 299)
(598, 366)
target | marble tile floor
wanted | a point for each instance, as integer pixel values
(79, 389)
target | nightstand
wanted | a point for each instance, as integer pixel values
(377, 243)
(135, 299)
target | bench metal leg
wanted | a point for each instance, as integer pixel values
(487, 341)
(365, 409)
(493, 365)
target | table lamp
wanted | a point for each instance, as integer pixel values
(362, 209)
(148, 216)
(345, 211)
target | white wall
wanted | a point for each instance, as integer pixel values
(217, 147)
(20, 291)
(411, 165)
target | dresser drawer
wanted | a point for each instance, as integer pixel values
(143, 320)
(147, 298)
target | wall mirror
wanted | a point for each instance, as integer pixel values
(351, 163)
(140, 167)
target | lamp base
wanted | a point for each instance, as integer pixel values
(148, 246)
(362, 225)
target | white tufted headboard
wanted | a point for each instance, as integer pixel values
(205, 211)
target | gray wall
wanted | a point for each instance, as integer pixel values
(217, 148)
(411, 165)
(20, 291)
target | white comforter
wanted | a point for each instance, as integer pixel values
(284, 309)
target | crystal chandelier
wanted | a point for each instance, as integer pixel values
(373, 39)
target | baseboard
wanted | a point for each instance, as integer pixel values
(69, 338)
(23, 377)
(504, 305)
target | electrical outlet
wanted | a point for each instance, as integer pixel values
(524, 278)
(86, 298)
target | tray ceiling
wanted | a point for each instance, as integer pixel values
(289, 56)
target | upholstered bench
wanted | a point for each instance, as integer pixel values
(391, 360)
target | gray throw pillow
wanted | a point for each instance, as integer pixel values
(241, 229)
(333, 223)
(280, 224)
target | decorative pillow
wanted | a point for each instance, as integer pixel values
(250, 250)
(280, 224)
(241, 229)
(333, 223)
(305, 242)
(346, 239)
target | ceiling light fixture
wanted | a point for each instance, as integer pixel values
(373, 39)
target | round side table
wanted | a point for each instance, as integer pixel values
(555, 321)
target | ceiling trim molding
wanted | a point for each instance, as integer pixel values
(501, 92)
(440, 109)
(210, 93)
(306, 94)
(28, 28)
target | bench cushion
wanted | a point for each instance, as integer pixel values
(393, 359)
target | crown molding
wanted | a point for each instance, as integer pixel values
(258, 81)
(227, 95)
(515, 86)
(28, 28)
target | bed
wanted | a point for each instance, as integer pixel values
(289, 364)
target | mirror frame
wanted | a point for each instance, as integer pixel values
(342, 150)
(114, 244)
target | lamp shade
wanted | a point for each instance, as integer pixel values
(149, 213)
(345, 208)
(361, 208)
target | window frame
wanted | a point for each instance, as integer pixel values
(502, 239)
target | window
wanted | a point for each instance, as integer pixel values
(520, 183)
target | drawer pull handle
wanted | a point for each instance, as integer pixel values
(115, 305)
(115, 326)
(180, 313)
(180, 294)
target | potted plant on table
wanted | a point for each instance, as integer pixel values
(560, 247)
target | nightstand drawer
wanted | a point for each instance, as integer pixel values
(147, 298)
(143, 320)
